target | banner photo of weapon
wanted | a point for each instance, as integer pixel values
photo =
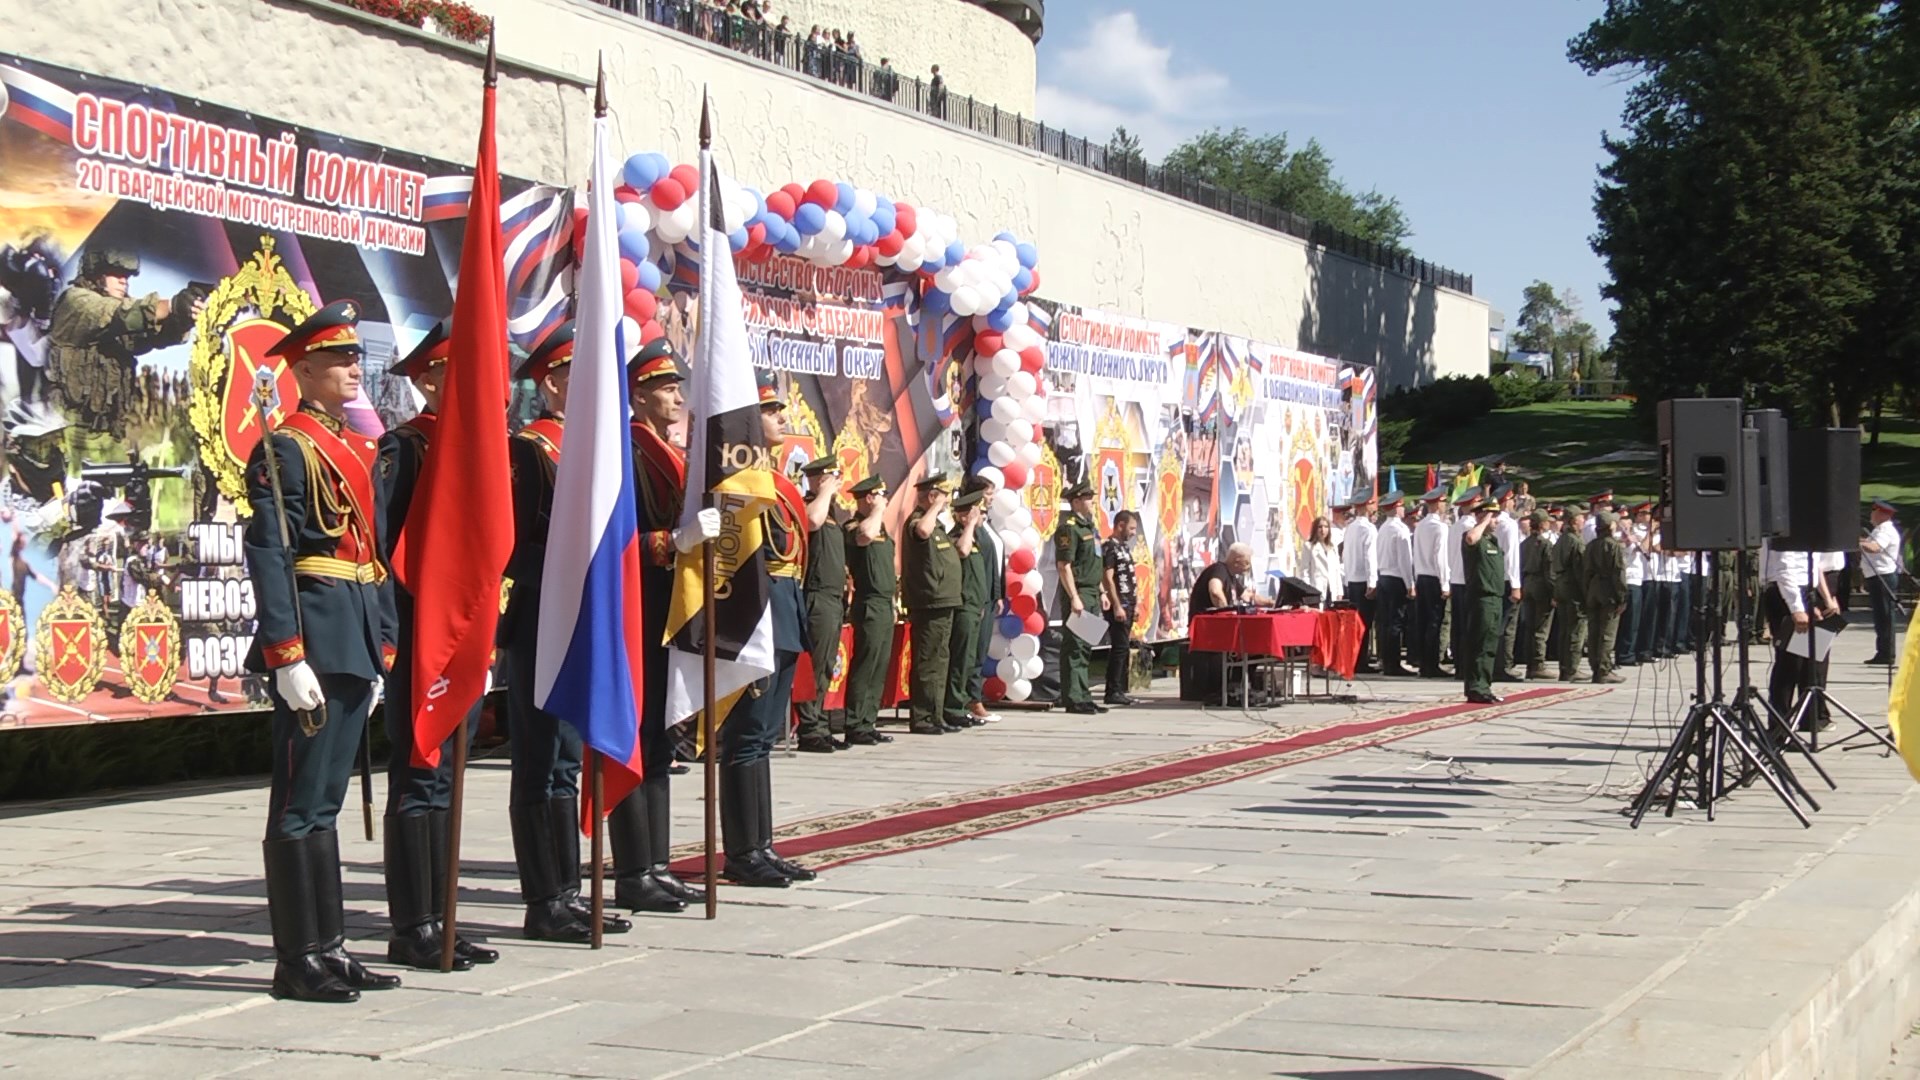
(152, 247)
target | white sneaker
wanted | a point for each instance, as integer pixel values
(988, 718)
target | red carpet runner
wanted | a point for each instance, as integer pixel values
(888, 830)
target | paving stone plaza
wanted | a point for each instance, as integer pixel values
(1467, 901)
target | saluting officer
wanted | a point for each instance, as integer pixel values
(1076, 553)
(1537, 590)
(544, 789)
(760, 715)
(640, 826)
(826, 597)
(1570, 596)
(1605, 565)
(418, 799)
(976, 571)
(326, 635)
(871, 567)
(930, 586)
(1486, 579)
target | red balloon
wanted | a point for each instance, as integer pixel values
(988, 342)
(781, 203)
(668, 194)
(629, 275)
(823, 193)
(1016, 585)
(642, 305)
(579, 234)
(891, 243)
(1016, 475)
(993, 688)
(688, 177)
(1022, 605)
(861, 256)
(760, 254)
(756, 234)
(1020, 562)
(1034, 284)
(623, 193)
(1035, 623)
(1032, 359)
(651, 331)
(905, 219)
(796, 192)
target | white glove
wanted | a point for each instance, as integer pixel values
(299, 687)
(704, 526)
(489, 688)
(379, 692)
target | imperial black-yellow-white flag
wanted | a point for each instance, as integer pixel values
(727, 458)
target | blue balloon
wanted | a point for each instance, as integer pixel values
(1000, 319)
(936, 301)
(845, 202)
(984, 408)
(789, 242)
(1007, 236)
(809, 219)
(1022, 280)
(869, 232)
(885, 218)
(633, 245)
(650, 277)
(1012, 626)
(639, 172)
(956, 251)
(737, 239)
(1028, 255)
(1006, 302)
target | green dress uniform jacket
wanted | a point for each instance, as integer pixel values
(871, 569)
(976, 570)
(1537, 583)
(825, 595)
(1606, 570)
(1570, 599)
(1077, 544)
(930, 578)
(1486, 573)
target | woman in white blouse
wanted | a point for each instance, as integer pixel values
(1320, 561)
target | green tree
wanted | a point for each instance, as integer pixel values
(1123, 151)
(1265, 169)
(1550, 323)
(1738, 212)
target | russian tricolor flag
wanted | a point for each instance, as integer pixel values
(587, 668)
(445, 198)
(37, 103)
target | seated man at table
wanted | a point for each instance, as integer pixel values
(1220, 586)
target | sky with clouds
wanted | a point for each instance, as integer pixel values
(1467, 111)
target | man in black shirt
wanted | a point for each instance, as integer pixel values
(1116, 555)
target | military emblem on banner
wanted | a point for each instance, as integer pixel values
(836, 695)
(70, 647)
(13, 637)
(150, 649)
(850, 449)
(1168, 487)
(234, 333)
(805, 436)
(1043, 492)
(1110, 466)
(1145, 590)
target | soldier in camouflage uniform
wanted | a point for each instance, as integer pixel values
(1605, 565)
(1570, 596)
(98, 329)
(1537, 588)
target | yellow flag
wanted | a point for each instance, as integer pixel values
(1903, 705)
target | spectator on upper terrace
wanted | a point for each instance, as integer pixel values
(854, 61)
(885, 81)
(937, 94)
(782, 40)
(817, 52)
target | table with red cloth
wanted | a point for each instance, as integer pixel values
(1333, 636)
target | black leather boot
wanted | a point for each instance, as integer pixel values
(323, 862)
(630, 834)
(548, 916)
(566, 845)
(417, 935)
(763, 806)
(437, 833)
(658, 794)
(739, 830)
(298, 972)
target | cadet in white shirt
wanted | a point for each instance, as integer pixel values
(1393, 546)
(1431, 581)
(1463, 506)
(1629, 648)
(1880, 565)
(1787, 601)
(1359, 557)
(1506, 530)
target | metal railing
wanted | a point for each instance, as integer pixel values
(849, 68)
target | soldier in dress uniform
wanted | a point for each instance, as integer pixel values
(1393, 545)
(1463, 519)
(930, 579)
(995, 553)
(1076, 554)
(975, 570)
(640, 826)
(1431, 558)
(544, 791)
(826, 597)
(1570, 596)
(1605, 567)
(419, 800)
(1486, 578)
(326, 636)
(1537, 589)
(760, 715)
(870, 566)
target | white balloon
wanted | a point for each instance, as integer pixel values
(1030, 538)
(864, 202)
(1021, 336)
(1019, 433)
(997, 647)
(1022, 384)
(1019, 690)
(908, 263)
(1018, 312)
(981, 325)
(1007, 502)
(630, 334)
(992, 386)
(1030, 454)
(994, 431)
(1021, 518)
(840, 253)
(1006, 362)
(943, 280)
(1006, 409)
(1001, 454)
(1032, 578)
(836, 226)
(1024, 648)
(1010, 669)
(1033, 668)
(1011, 538)
(1034, 409)
(991, 475)
(982, 365)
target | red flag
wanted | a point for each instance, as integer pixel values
(459, 530)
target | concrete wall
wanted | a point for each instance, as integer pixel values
(1103, 243)
(979, 52)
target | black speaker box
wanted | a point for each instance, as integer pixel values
(1771, 493)
(1702, 459)
(1295, 592)
(1823, 474)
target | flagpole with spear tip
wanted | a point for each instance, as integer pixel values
(707, 721)
(456, 803)
(597, 791)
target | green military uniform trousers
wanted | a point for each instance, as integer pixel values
(1076, 655)
(1482, 641)
(1572, 633)
(1603, 625)
(826, 614)
(932, 642)
(963, 644)
(872, 618)
(1539, 614)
